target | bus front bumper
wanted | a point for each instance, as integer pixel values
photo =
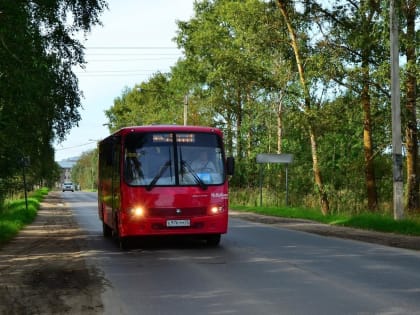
(214, 224)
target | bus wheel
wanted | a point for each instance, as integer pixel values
(106, 230)
(213, 240)
(121, 241)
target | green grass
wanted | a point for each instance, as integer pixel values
(14, 216)
(367, 221)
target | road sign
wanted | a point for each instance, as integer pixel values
(275, 158)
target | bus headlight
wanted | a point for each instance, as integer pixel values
(137, 212)
(216, 209)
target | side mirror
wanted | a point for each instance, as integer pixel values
(230, 165)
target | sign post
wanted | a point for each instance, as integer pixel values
(278, 159)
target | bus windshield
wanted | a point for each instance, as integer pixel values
(173, 159)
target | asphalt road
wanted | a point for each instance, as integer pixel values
(258, 269)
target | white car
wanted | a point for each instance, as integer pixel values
(68, 186)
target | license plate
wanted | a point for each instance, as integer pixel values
(177, 223)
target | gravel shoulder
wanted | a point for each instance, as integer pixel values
(43, 270)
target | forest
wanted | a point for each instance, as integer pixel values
(308, 78)
(311, 79)
(39, 93)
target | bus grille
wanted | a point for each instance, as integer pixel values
(173, 212)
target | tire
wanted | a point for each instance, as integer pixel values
(106, 230)
(122, 242)
(213, 240)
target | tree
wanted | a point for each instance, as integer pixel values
(307, 107)
(237, 52)
(156, 101)
(39, 97)
(356, 41)
(85, 171)
(409, 9)
(309, 78)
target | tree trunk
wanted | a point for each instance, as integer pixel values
(229, 116)
(317, 173)
(411, 127)
(239, 125)
(279, 127)
(367, 141)
(366, 51)
(249, 133)
(229, 137)
(316, 169)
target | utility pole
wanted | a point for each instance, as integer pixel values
(396, 115)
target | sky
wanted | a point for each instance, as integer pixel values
(134, 42)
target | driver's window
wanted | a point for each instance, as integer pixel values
(133, 172)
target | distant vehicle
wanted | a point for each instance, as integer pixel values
(68, 186)
(150, 184)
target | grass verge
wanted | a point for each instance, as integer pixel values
(14, 216)
(367, 221)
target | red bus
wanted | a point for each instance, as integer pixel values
(164, 180)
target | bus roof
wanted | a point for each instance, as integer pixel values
(167, 128)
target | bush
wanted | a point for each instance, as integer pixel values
(14, 215)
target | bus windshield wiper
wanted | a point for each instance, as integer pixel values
(194, 174)
(162, 170)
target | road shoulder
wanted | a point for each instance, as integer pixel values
(43, 270)
(387, 239)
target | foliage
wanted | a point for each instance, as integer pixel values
(240, 75)
(14, 215)
(85, 172)
(39, 97)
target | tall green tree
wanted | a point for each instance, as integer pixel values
(85, 172)
(238, 52)
(308, 106)
(313, 81)
(39, 94)
(356, 41)
(156, 101)
(410, 40)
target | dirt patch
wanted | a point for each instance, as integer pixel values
(388, 239)
(43, 271)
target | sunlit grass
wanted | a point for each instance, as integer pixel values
(367, 221)
(383, 223)
(14, 215)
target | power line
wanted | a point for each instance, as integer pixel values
(123, 60)
(115, 71)
(133, 54)
(132, 47)
(87, 75)
(76, 146)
